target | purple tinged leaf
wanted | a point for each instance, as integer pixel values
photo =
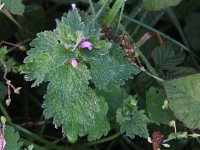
(74, 63)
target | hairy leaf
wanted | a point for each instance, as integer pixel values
(69, 83)
(103, 69)
(159, 4)
(183, 95)
(78, 117)
(155, 100)
(132, 121)
(12, 139)
(14, 6)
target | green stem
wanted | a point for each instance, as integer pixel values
(32, 135)
(120, 17)
(138, 26)
(155, 77)
(157, 31)
(151, 69)
(7, 14)
(114, 136)
(144, 59)
(134, 13)
(92, 7)
(3, 110)
(157, 18)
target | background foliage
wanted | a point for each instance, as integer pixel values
(140, 77)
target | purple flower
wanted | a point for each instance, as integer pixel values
(2, 143)
(74, 63)
(85, 44)
(73, 6)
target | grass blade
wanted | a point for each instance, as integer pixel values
(113, 12)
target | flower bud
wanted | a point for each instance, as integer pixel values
(74, 63)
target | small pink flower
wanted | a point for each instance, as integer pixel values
(73, 6)
(74, 63)
(2, 143)
(86, 44)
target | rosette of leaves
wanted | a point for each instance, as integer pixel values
(70, 100)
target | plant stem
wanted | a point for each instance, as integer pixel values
(3, 110)
(33, 136)
(121, 14)
(7, 14)
(157, 31)
(144, 59)
(106, 139)
(138, 26)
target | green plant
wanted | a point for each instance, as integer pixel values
(109, 73)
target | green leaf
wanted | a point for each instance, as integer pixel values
(167, 56)
(154, 100)
(159, 4)
(45, 55)
(69, 82)
(191, 30)
(183, 95)
(103, 69)
(132, 121)
(102, 126)
(12, 139)
(114, 98)
(182, 71)
(3, 51)
(78, 117)
(14, 6)
(73, 20)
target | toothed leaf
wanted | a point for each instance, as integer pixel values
(132, 121)
(183, 95)
(12, 139)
